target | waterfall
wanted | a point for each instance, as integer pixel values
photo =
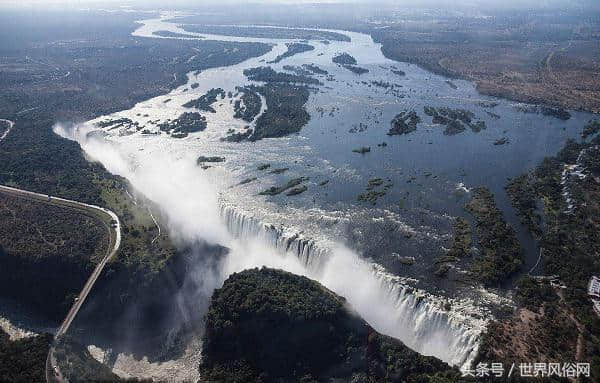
(433, 330)
(242, 226)
(420, 320)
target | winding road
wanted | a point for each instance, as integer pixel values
(112, 223)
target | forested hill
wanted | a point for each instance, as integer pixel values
(269, 325)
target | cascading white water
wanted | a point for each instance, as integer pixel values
(244, 227)
(421, 320)
(433, 330)
(415, 317)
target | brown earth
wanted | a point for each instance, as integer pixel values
(550, 60)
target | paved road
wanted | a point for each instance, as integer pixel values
(114, 229)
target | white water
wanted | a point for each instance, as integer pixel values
(8, 129)
(14, 332)
(390, 306)
(197, 204)
(575, 171)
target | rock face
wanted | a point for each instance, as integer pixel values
(268, 325)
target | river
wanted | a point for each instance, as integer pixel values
(351, 247)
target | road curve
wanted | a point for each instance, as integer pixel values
(53, 374)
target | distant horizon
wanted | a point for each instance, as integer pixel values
(499, 4)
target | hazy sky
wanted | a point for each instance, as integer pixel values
(399, 3)
(395, 2)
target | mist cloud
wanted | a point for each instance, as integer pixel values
(191, 205)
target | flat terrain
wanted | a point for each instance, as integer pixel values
(538, 57)
(267, 32)
(54, 248)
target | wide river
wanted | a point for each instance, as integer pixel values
(432, 175)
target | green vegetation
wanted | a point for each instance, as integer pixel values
(501, 255)
(205, 101)
(462, 46)
(523, 197)
(451, 84)
(454, 119)
(49, 246)
(371, 194)
(559, 113)
(362, 150)
(349, 62)
(492, 115)
(560, 324)
(461, 242)
(314, 69)
(546, 333)
(292, 49)
(251, 104)
(275, 190)
(147, 267)
(374, 182)
(36, 159)
(187, 122)
(297, 190)
(174, 35)
(269, 75)
(24, 360)
(78, 365)
(105, 63)
(570, 238)
(487, 104)
(461, 247)
(118, 123)
(590, 129)
(233, 136)
(197, 26)
(532, 293)
(247, 180)
(202, 159)
(404, 123)
(344, 59)
(356, 69)
(272, 326)
(285, 114)
(478, 126)
(298, 70)
(279, 170)
(442, 269)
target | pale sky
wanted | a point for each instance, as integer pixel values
(195, 3)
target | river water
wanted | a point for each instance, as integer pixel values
(431, 173)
